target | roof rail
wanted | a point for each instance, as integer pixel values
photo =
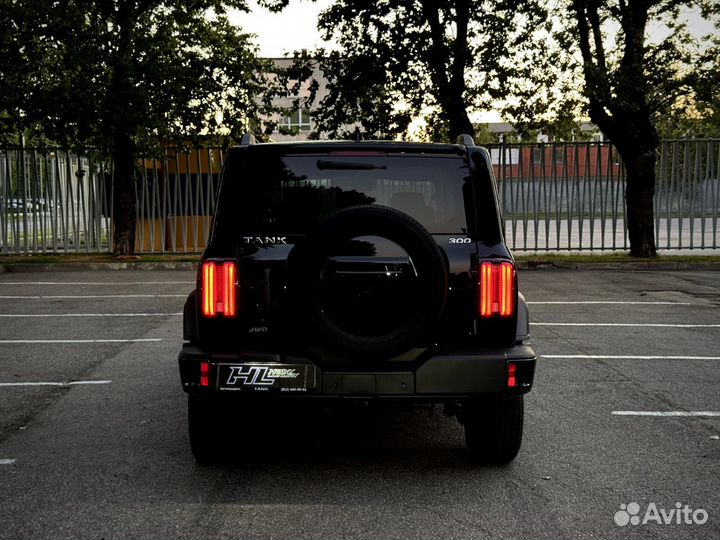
(248, 139)
(465, 140)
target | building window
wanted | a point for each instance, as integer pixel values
(299, 120)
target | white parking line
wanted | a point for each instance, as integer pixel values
(73, 297)
(666, 413)
(7, 461)
(627, 325)
(32, 341)
(612, 302)
(72, 383)
(36, 315)
(97, 283)
(623, 357)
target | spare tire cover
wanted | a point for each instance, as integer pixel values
(325, 318)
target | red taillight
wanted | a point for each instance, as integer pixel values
(219, 289)
(204, 374)
(497, 289)
(208, 289)
(511, 379)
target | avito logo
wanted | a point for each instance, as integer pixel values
(629, 514)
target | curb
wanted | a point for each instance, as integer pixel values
(188, 265)
(625, 266)
(100, 266)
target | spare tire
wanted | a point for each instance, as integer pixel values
(377, 314)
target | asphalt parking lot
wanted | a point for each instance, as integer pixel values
(625, 410)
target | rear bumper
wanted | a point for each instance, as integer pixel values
(437, 377)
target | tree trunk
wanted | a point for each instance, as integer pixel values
(639, 197)
(449, 86)
(458, 120)
(124, 197)
(637, 142)
(619, 106)
(122, 125)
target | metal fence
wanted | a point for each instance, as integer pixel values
(176, 200)
(52, 200)
(571, 196)
(554, 197)
(56, 201)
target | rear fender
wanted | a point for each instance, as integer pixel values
(522, 332)
(190, 332)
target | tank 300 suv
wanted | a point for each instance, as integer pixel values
(370, 271)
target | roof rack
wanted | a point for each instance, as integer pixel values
(248, 139)
(465, 140)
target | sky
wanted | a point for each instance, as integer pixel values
(293, 29)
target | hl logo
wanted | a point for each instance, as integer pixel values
(250, 376)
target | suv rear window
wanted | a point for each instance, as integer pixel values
(288, 194)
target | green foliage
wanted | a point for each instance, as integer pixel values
(633, 83)
(357, 99)
(84, 71)
(130, 76)
(656, 70)
(421, 58)
(483, 135)
(698, 114)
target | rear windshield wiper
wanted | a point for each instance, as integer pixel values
(347, 165)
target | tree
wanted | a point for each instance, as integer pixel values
(420, 58)
(705, 81)
(630, 84)
(443, 60)
(127, 76)
(697, 115)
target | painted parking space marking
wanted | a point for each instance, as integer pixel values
(668, 413)
(627, 325)
(623, 357)
(65, 341)
(49, 315)
(611, 302)
(7, 461)
(120, 283)
(45, 383)
(80, 297)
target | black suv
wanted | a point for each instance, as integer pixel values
(358, 271)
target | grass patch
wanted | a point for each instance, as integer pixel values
(547, 258)
(79, 258)
(552, 258)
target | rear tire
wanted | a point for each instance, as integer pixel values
(493, 428)
(206, 440)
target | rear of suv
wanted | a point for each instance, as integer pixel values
(368, 271)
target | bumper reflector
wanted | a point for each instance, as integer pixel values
(204, 374)
(511, 379)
